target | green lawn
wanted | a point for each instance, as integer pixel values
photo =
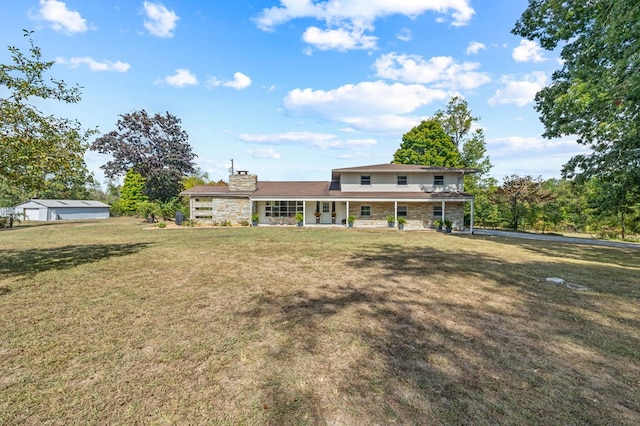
(109, 323)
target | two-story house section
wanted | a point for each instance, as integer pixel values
(419, 194)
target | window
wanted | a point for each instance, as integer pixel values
(365, 180)
(283, 208)
(438, 180)
(325, 208)
(365, 211)
(402, 180)
(437, 212)
(403, 211)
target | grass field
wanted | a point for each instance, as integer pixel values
(108, 323)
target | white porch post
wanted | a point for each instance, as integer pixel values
(471, 222)
(395, 211)
(444, 208)
(304, 212)
(347, 212)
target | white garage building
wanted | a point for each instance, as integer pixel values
(48, 210)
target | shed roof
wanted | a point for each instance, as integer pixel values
(66, 203)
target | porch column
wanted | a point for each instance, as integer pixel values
(347, 212)
(395, 211)
(444, 209)
(471, 222)
(304, 212)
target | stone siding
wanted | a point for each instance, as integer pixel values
(235, 210)
(243, 183)
(420, 214)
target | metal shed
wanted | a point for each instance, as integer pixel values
(49, 210)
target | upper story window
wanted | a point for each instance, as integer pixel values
(402, 180)
(438, 180)
(365, 180)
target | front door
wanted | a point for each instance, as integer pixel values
(325, 216)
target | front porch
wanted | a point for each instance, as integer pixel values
(366, 213)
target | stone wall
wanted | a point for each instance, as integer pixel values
(420, 214)
(235, 210)
(243, 182)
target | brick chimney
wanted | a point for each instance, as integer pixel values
(242, 181)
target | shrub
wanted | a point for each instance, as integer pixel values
(145, 208)
(169, 208)
(162, 225)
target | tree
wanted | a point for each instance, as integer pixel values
(456, 119)
(427, 144)
(132, 192)
(154, 146)
(520, 197)
(596, 93)
(38, 153)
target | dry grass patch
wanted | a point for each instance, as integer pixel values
(109, 323)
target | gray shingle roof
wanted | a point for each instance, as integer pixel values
(69, 203)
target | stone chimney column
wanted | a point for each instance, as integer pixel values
(242, 181)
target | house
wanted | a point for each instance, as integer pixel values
(47, 210)
(420, 194)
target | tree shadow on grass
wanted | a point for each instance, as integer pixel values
(517, 350)
(36, 260)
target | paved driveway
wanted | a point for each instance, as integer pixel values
(544, 237)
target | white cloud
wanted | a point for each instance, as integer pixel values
(364, 98)
(366, 11)
(531, 155)
(441, 71)
(160, 22)
(404, 35)
(346, 20)
(528, 51)
(365, 106)
(61, 19)
(519, 92)
(263, 153)
(316, 140)
(475, 47)
(182, 78)
(239, 82)
(94, 65)
(341, 39)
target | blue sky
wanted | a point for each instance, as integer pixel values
(291, 89)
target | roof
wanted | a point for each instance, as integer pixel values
(67, 203)
(220, 190)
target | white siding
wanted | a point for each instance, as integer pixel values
(388, 182)
(77, 213)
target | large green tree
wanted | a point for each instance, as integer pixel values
(521, 198)
(39, 153)
(155, 146)
(596, 93)
(427, 144)
(456, 119)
